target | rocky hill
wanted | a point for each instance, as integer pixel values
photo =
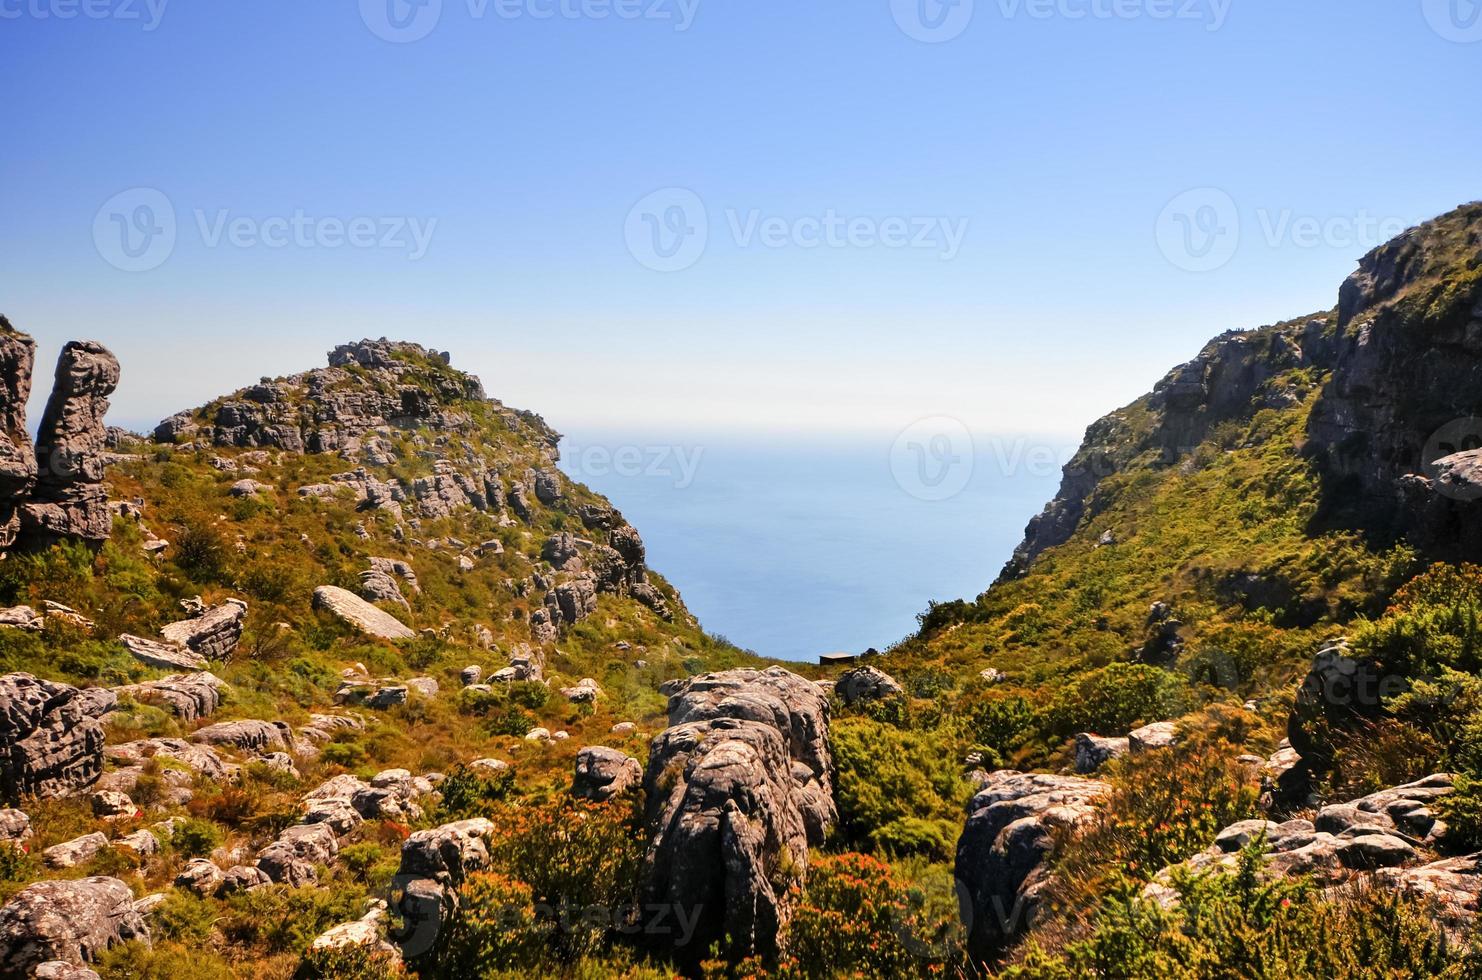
(338, 676)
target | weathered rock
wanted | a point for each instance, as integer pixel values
(1450, 887)
(243, 878)
(471, 675)
(15, 826)
(141, 842)
(213, 634)
(22, 617)
(1093, 751)
(79, 850)
(201, 877)
(51, 736)
(427, 687)
(59, 970)
(201, 759)
(367, 932)
(1158, 735)
(586, 691)
(739, 787)
(190, 697)
(248, 736)
(1006, 843)
(434, 863)
(166, 656)
(867, 684)
(69, 500)
(295, 857)
(111, 804)
(360, 614)
(70, 921)
(17, 457)
(604, 774)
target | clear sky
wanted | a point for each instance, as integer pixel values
(906, 209)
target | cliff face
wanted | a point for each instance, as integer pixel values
(1400, 360)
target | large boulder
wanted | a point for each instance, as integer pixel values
(51, 736)
(867, 684)
(69, 500)
(213, 634)
(295, 857)
(604, 774)
(253, 736)
(739, 788)
(433, 864)
(165, 656)
(67, 921)
(350, 608)
(1094, 751)
(1006, 845)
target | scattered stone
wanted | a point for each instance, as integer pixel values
(200, 877)
(471, 675)
(213, 634)
(166, 656)
(425, 686)
(603, 774)
(1159, 735)
(586, 691)
(243, 878)
(248, 488)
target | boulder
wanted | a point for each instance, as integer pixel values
(15, 827)
(295, 857)
(200, 877)
(243, 878)
(258, 737)
(867, 684)
(603, 774)
(433, 864)
(69, 500)
(1093, 751)
(739, 787)
(111, 804)
(367, 932)
(22, 618)
(1006, 844)
(79, 850)
(1450, 887)
(586, 691)
(213, 634)
(166, 656)
(59, 970)
(51, 737)
(190, 697)
(1158, 735)
(351, 609)
(200, 759)
(69, 921)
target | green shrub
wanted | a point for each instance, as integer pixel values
(495, 925)
(1116, 699)
(468, 792)
(898, 791)
(195, 838)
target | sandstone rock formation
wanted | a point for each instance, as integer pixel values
(51, 736)
(69, 500)
(190, 697)
(212, 634)
(1005, 844)
(739, 787)
(69, 921)
(17, 457)
(867, 684)
(433, 864)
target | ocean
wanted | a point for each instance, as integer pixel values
(800, 546)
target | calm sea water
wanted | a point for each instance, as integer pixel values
(799, 547)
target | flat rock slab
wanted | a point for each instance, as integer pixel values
(166, 656)
(350, 608)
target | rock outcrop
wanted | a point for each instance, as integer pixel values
(51, 737)
(1005, 845)
(213, 634)
(68, 921)
(739, 788)
(17, 456)
(190, 697)
(350, 608)
(604, 774)
(69, 500)
(866, 684)
(433, 864)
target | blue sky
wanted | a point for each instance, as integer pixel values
(1049, 136)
